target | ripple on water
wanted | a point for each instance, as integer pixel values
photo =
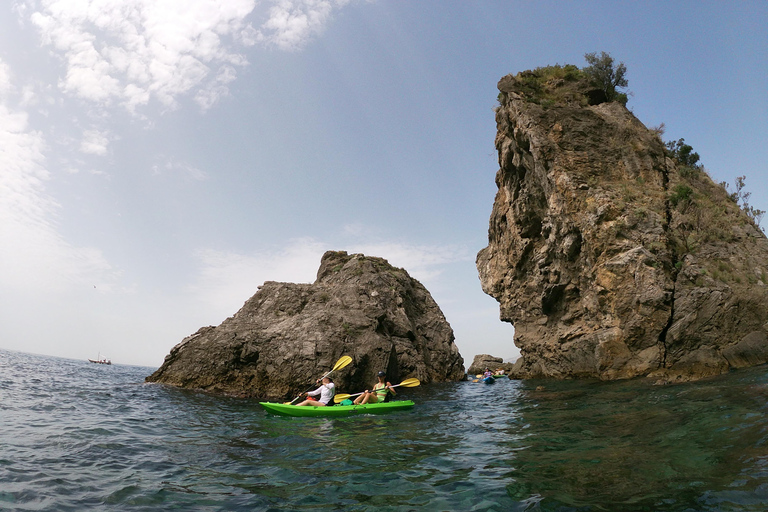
(78, 436)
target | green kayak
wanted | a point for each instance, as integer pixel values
(335, 411)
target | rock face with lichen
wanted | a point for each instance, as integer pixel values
(287, 335)
(610, 257)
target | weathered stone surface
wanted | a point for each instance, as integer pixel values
(483, 361)
(287, 335)
(600, 271)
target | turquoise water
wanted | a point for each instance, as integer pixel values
(81, 436)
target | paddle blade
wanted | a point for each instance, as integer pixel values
(410, 383)
(341, 363)
(340, 397)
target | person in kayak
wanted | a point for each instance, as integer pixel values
(379, 393)
(326, 392)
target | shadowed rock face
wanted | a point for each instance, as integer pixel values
(601, 269)
(287, 335)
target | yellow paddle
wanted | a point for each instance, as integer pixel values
(341, 363)
(407, 383)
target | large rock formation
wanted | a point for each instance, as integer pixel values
(483, 361)
(610, 257)
(287, 335)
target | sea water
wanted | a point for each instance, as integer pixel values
(81, 436)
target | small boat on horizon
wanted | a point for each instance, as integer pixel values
(100, 360)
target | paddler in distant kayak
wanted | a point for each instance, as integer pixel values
(325, 391)
(379, 393)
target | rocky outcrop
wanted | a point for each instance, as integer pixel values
(483, 361)
(287, 335)
(611, 258)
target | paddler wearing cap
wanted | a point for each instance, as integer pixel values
(379, 393)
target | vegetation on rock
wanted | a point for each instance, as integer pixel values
(702, 213)
(569, 85)
(607, 75)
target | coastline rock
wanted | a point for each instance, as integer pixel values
(287, 335)
(611, 258)
(483, 361)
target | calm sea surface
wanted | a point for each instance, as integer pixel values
(81, 436)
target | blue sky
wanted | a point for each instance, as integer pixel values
(163, 158)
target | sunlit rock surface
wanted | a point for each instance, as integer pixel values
(597, 261)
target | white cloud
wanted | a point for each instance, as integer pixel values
(292, 22)
(216, 89)
(131, 51)
(94, 142)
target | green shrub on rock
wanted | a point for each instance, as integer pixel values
(606, 75)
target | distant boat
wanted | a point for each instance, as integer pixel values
(101, 360)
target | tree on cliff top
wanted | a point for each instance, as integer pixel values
(606, 75)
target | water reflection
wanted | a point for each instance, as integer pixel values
(590, 444)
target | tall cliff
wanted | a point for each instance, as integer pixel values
(611, 258)
(288, 334)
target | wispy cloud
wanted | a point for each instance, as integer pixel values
(183, 168)
(422, 262)
(292, 23)
(5, 80)
(226, 279)
(94, 142)
(127, 53)
(35, 257)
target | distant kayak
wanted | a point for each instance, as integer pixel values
(335, 411)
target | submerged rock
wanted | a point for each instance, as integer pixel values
(611, 258)
(287, 335)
